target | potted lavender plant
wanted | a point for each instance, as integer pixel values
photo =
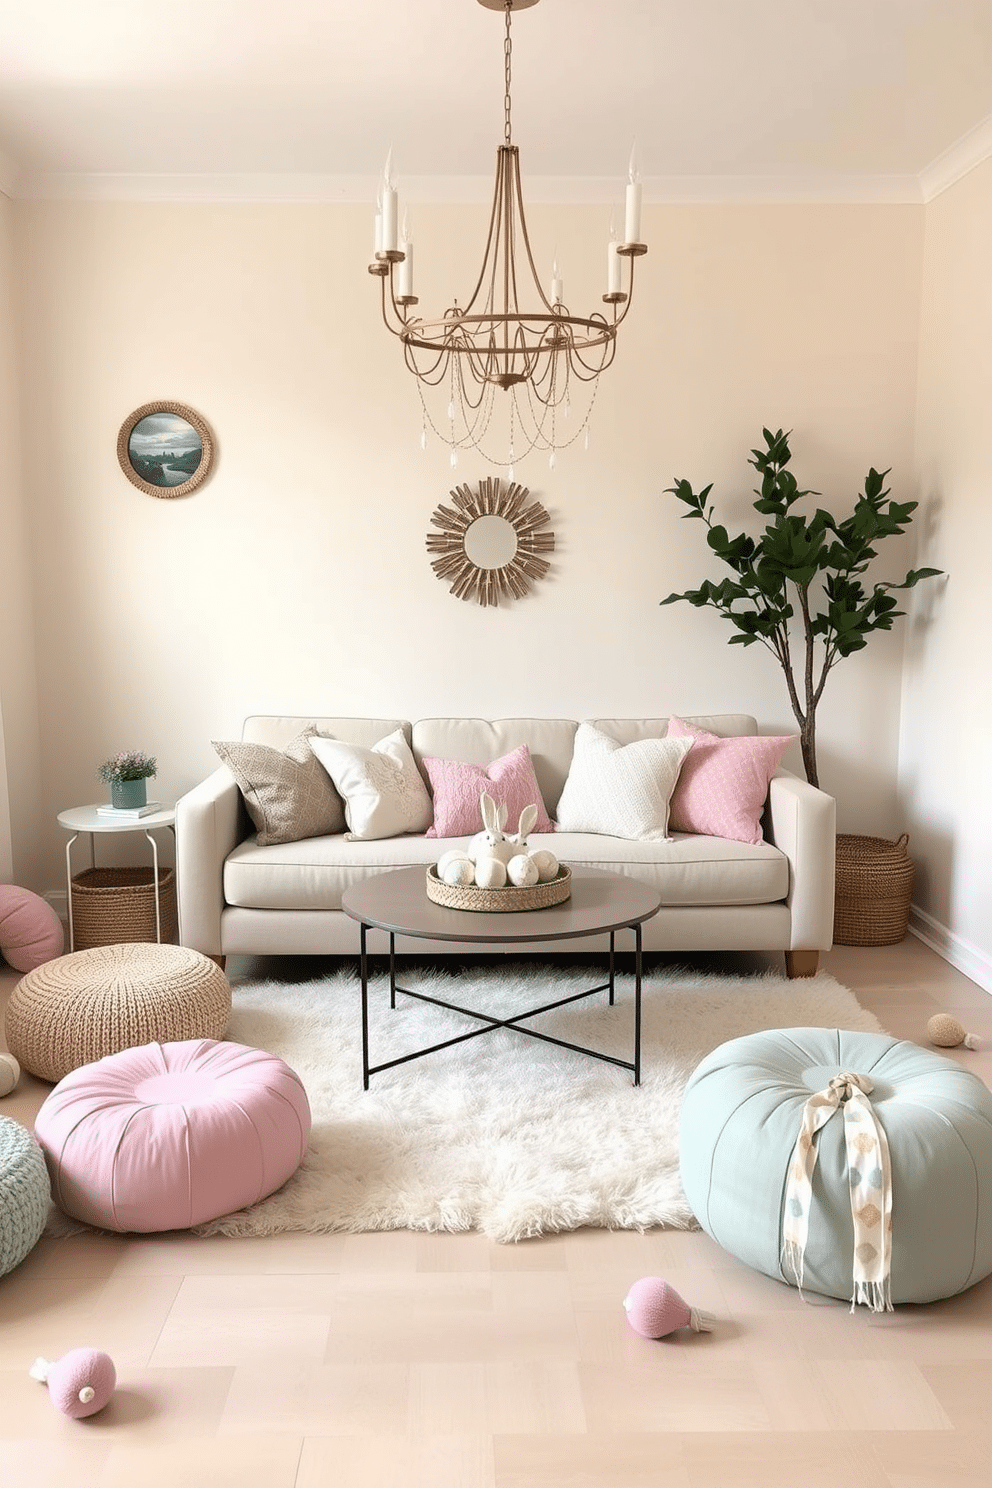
(128, 774)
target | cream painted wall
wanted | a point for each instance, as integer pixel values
(947, 706)
(296, 578)
(20, 769)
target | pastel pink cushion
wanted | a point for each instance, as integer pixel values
(723, 785)
(457, 787)
(165, 1136)
(30, 931)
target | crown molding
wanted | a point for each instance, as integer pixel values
(970, 150)
(456, 190)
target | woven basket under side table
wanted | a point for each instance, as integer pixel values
(874, 885)
(112, 906)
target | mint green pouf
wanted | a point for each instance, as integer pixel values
(741, 1116)
(24, 1193)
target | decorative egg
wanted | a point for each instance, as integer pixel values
(458, 870)
(490, 873)
(546, 864)
(453, 855)
(10, 1072)
(522, 871)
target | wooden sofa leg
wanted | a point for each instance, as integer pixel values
(802, 963)
(221, 961)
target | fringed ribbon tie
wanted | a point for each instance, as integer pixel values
(870, 1175)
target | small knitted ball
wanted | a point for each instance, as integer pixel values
(546, 864)
(457, 870)
(490, 873)
(522, 871)
(80, 1383)
(947, 1033)
(654, 1309)
(10, 1073)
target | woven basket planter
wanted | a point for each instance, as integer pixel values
(874, 885)
(113, 905)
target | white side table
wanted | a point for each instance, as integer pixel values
(87, 819)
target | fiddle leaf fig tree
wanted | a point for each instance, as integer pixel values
(810, 567)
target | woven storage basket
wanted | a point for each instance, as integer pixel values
(499, 901)
(113, 905)
(874, 884)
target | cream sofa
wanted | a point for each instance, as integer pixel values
(236, 897)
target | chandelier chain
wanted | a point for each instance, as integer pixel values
(507, 54)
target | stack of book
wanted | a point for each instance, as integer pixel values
(129, 813)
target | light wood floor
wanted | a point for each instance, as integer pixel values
(402, 1360)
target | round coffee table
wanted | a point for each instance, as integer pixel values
(600, 904)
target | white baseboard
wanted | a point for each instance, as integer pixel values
(954, 948)
(59, 900)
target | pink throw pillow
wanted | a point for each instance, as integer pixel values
(457, 787)
(30, 930)
(723, 785)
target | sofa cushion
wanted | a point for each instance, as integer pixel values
(457, 786)
(383, 792)
(550, 742)
(287, 794)
(622, 790)
(723, 784)
(687, 870)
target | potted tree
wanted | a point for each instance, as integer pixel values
(798, 589)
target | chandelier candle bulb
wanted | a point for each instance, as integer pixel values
(389, 212)
(556, 284)
(612, 268)
(632, 215)
(405, 277)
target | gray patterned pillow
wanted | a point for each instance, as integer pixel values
(287, 793)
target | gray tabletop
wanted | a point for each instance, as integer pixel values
(600, 902)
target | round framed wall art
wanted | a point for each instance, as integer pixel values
(165, 449)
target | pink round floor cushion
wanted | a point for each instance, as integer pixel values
(30, 931)
(165, 1136)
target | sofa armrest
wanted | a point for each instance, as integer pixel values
(802, 823)
(208, 827)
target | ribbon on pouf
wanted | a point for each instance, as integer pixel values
(870, 1175)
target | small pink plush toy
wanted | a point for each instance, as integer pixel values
(654, 1308)
(80, 1383)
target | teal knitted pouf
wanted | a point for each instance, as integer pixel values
(741, 1117)
(24, 1193)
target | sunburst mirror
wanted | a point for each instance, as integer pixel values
(490, 541)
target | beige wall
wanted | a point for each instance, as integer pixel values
(297, 577)
(20, 777)
(947, 708)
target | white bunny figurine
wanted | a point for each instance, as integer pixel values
(524, 828)
(492, 841)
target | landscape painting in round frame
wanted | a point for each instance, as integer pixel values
(165, 449)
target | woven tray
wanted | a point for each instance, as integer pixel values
(499, 901)
(873, 884)
(114, 905)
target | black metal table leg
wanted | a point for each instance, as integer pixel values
(364, 960)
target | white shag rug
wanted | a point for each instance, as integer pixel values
(504, 1134)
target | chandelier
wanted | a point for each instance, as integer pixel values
(510, 348)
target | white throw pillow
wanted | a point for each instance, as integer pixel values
(619, 790)
(383, 791)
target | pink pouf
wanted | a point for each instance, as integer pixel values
(30, 931)
(166, 1136)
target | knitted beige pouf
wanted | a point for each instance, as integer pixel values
(76, 1009)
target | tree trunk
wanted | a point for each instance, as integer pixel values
(807, 742)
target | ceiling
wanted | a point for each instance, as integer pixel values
(864, 99)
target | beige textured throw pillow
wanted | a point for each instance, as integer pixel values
(620, 790)
(384, 792)
(287, 793)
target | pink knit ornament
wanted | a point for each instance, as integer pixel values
(654, 1308)
(80, 1383)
